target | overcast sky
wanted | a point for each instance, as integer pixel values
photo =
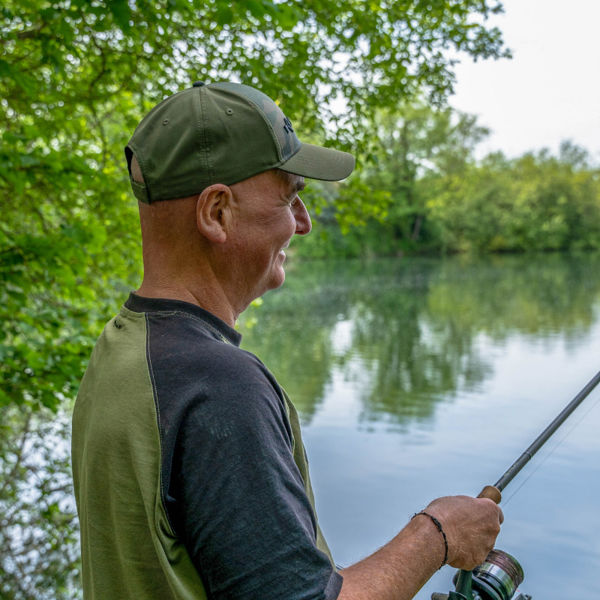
(550, 90)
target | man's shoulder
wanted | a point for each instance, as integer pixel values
(191, 355)
(187, 342)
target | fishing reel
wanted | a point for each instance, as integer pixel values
(497, 578)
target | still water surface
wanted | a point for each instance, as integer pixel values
(420, 378)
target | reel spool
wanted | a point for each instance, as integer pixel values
(498, 577)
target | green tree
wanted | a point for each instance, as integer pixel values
(466, 210)
(417, 142)
(39, 550)
(418, 148)
(75, 77)
(535, 202)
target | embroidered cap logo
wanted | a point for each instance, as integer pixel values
(287, 125)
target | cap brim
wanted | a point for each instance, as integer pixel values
(316, 162)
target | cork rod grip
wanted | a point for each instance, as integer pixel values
(491, 492)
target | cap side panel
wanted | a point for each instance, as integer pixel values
(243, 145)
(179, 160)
(146, 144)
(279, 125)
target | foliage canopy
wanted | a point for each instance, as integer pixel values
(76, 76)
(441, 199)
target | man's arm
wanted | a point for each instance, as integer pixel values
(236, 497)
(400, 568)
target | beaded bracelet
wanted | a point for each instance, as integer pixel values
(439, 528)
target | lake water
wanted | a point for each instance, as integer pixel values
(417, 378)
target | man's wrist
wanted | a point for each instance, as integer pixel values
(440, 529)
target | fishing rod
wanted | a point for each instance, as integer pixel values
(494, 492)
(499, 576)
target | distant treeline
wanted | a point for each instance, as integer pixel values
(439, 199)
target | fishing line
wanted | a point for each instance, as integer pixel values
(552, 450)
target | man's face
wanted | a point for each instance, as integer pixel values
(267, 213)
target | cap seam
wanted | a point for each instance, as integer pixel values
(273, 134)
(202, 124)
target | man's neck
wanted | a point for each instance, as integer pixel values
(208, 298)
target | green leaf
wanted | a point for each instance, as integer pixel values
(121, 13)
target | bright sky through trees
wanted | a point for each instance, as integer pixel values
(550, 90)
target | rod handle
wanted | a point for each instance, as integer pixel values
(491, 492)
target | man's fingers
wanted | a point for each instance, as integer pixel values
(500, 513)
(471, 526)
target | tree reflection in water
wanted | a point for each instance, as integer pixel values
(415, 326)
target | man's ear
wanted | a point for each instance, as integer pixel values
(213, 212)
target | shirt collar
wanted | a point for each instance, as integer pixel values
(143, 304)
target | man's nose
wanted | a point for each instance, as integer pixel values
(303, 222)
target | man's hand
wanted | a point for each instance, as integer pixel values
(400, 568)
(471, 526)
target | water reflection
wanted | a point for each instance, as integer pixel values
(409, 331)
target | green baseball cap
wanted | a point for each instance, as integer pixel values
(221, 133)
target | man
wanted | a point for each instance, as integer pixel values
(190, 475)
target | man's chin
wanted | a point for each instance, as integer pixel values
(277, 279)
